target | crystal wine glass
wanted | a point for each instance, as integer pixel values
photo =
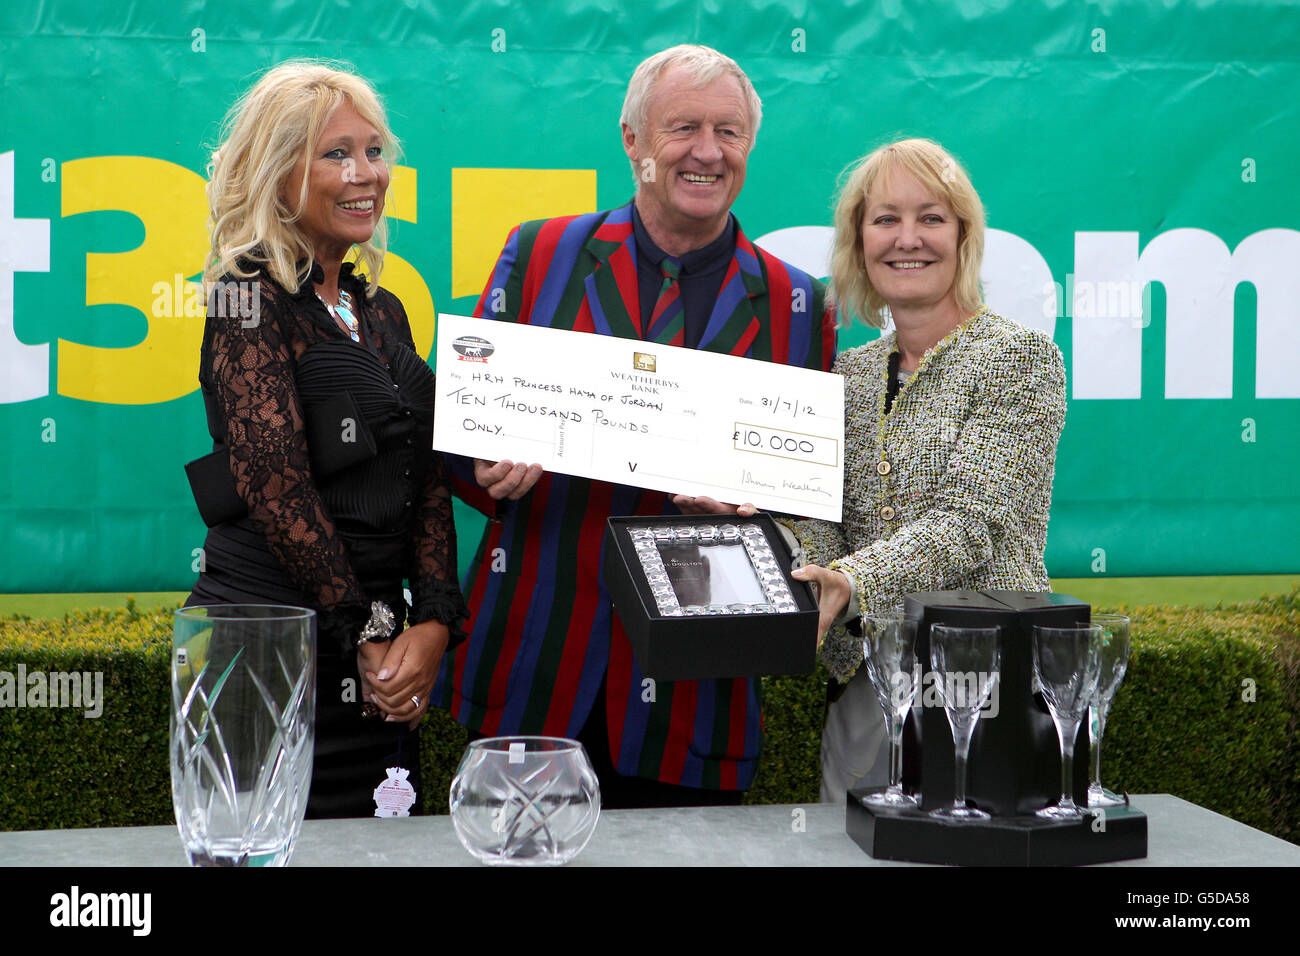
(1114, 664)
(967, 661)
(1066, 661)
(889, 649)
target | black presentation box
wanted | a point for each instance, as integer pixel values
(1015, 759)
(1015, 756)
(1102, 836)
(712, 598)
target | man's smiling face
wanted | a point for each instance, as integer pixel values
(690, 158)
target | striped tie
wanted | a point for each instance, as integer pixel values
(667, 322)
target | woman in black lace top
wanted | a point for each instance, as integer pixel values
(323, 489)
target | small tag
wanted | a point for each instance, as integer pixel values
(395, 796)
(182, 657)
(516, 753)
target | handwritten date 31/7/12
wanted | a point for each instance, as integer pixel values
(784, 407)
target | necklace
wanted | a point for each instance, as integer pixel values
(343, 313)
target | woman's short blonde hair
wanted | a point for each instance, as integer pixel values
(272, 126)
(942, 176)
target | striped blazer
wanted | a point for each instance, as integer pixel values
(543, 631)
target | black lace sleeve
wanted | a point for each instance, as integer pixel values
(435, 593)
(247, 363)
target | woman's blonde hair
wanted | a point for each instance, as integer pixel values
(271, 127)
(939, 174)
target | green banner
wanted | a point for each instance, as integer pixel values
(1137, 162)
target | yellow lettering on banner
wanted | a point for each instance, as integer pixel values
(169, 200)
(487, 203)
(401, 279)
(399, 276)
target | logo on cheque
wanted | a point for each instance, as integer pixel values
(643, 361)
(471, 348)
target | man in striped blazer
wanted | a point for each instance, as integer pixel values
(547, 654)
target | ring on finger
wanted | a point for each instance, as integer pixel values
(415, 699)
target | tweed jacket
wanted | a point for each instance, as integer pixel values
(543, 633)
(952, 488)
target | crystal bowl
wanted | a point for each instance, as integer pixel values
(525, 801)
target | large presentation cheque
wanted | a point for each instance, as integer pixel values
(635, 413)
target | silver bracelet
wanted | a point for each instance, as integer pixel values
(380, 625)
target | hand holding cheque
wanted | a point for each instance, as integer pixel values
(505, 478)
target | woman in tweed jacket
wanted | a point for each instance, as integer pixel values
(951, 427)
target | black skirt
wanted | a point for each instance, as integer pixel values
(352, 754)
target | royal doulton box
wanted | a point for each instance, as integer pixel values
(709, 596)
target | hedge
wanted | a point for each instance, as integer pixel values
(1209, 711)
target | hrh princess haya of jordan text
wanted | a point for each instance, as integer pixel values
(952, 421)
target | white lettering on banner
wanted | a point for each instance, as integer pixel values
(1014, 276)
(1195, 268)
(804, 247)
(1268, 259)
(24, 247)
(1200, 277)
(1107, 361)
(1106, 296)
(1107, 299)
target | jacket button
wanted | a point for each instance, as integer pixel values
(882, 467)
(406, 473)
(887, 513)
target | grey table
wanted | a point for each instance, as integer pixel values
(1180, 834)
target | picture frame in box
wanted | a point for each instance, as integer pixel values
(709, 596)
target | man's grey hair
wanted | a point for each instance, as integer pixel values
(703, 64)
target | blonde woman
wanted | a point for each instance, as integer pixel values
(952, 421)
(322, 489)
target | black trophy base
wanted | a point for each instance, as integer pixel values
(1117, 833)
